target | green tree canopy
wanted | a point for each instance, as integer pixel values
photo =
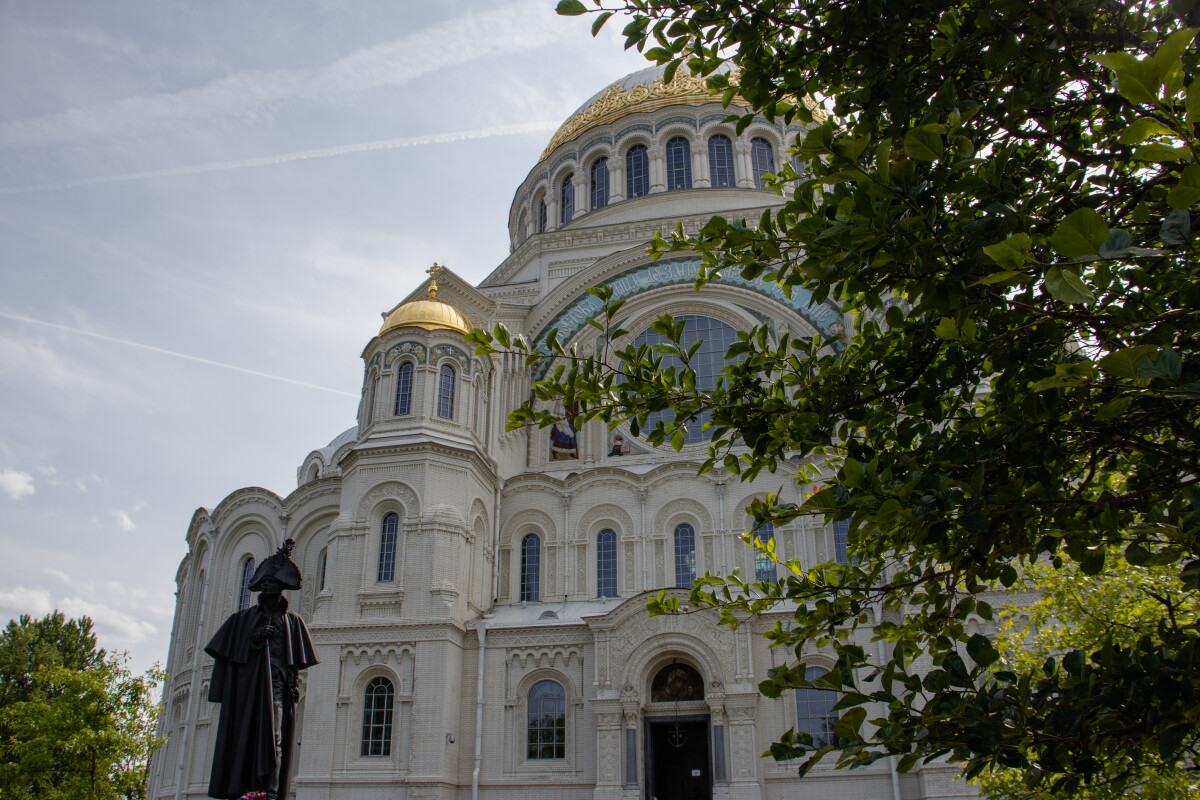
(1001, 199)
(75, 724)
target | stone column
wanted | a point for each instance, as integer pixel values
(741, 156)
(658, 172)
(616, 180)
(700, 176)
(583, 198)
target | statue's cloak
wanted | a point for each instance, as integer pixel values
(244, 755)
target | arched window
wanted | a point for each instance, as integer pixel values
(314, 472)
(762, 160)
(546, 731)
(377, 718)
(566, 209)
(606, 564)
(764, 568)
(446, 392)
(404, 381)
(387, 547)
(720, 161)
(685, 555)
(369, 409)
(841, 531)
(531, 563)
(541, 219)
(679, 164)
(707, 362)
(637, 172)
(814, 710)
(322, 563)
(599, 183)
(244, 586)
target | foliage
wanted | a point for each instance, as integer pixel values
(74, 722)
(1001, 199)
(1070, 610)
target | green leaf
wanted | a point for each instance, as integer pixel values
(570, 8)
(947, 328)
(1166, 365)
(1123, 363)
(1066, 286)
(848, 725)
(1013, 252)
(1081, 234)
(1142, 129)
(1176, 227)
(1193, 103)
(1187, 193)
(598, 23)
(1114, 408)
(1139, 82)
(1161, 153)
(924, 144)
(1167, 58)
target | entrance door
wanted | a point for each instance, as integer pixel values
(677, 764)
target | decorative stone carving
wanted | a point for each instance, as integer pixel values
(392, 490)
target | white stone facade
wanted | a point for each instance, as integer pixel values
(448, 619)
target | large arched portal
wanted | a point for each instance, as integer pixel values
(677, 736)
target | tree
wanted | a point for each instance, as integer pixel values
(1070, 610)
(74, 722)
(1001, 198)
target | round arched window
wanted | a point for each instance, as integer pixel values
(709, 360)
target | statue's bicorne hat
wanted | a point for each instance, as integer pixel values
(280, 567)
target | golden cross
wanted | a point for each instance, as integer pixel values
(433, 272)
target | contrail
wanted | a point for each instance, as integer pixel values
(153, 349)
(266, 161)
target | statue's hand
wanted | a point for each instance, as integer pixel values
(258, 639)
(295, 694)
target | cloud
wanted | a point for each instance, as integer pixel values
(126, 629)
(124, 521)
(25, 600)
(16, 484)
(251, 94)
(283, 158)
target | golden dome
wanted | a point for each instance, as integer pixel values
(431, 314)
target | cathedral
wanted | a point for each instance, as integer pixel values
(477, 596)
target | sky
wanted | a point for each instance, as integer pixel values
(204, 208)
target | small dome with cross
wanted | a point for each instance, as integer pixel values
(431, 314)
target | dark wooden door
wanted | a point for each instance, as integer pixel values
(677, 763)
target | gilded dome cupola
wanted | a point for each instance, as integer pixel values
(431, 314)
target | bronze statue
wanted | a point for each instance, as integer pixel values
(259, 653)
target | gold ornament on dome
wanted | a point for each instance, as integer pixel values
(616, 101)
(431, 314)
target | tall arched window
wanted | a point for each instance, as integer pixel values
(369, 409)
(531, 568)
(764, 568)
(445, 408)
(322, 564)
(599, 183)
(377, 718)
(637, 172)
(814, 710)
(387, 547)
(606, 564)
(679, 164)
(720, 161)
(762, 160)
(566, 210)
(541, 218)
(244, 586)
(546, 730)
(404, 381)
(841, 532)
(685, 555)
(707, 362)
